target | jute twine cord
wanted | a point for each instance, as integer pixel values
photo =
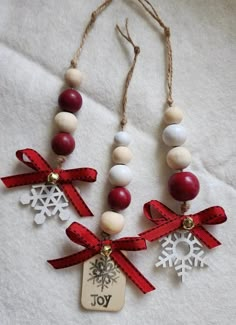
(169, 75)
(185, 206)
(136, 48)
(60, 160)
(124, 119)
(94, 15)
(152, 11)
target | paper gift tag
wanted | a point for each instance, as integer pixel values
(103, 285)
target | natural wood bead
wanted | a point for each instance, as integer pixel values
(66, 122)
(73, 77)
(173, 115)
(178, 158)
(112, 222)
(121, 155)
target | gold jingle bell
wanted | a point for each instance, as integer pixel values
(188, 223)
(106, 250)
(53, 178)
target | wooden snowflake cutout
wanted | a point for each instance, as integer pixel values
(183, 251)
(49, 200)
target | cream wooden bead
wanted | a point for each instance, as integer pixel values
(121, 155)
(73, 77)
(178, 158)
(120, 175)
(112, 222)
(66, 122)
(173, 115)
(174, 135)
(122, 138)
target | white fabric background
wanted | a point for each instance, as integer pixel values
(37, 41)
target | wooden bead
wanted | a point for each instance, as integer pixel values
(63, 144)
(66, 122)
(70, 100)
(183, 186)
(174, 135)
(73, 78)
(173, 115)
(121, 155)
(122, 138)
(119, 198)
(112, 222)
(178, 158)
(120, 175)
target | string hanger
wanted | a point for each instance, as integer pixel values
(136, 48)
(94, 15)
(60, 159)
(169, 76)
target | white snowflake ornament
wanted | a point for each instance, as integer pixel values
(183, 251)
(49, 200)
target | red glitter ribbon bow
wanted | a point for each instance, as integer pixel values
(93, 245)
(170, 221)
(64, 182)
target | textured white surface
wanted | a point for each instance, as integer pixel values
(37, 40)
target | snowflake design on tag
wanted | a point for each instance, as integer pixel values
(103, 272)
(49, 200)
(183, 251)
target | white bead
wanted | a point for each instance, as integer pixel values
(174, 135)
(173, 115)
(73, 77)
(112, 222)
(178, 158)
(122, 138)
(66, 122)
(121, 155)
(120, 175)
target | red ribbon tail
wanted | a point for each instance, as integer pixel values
(71, 260)
(132, 272)
(161, 230)
(204, 236)
(76, 199)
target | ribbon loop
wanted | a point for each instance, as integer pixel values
(84, 237)
(170, 221)
(130, 244)
(77, 174)
(36, 162)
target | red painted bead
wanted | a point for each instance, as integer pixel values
(119, 198)
(63, 144)
(70, 100)
(183, 186)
